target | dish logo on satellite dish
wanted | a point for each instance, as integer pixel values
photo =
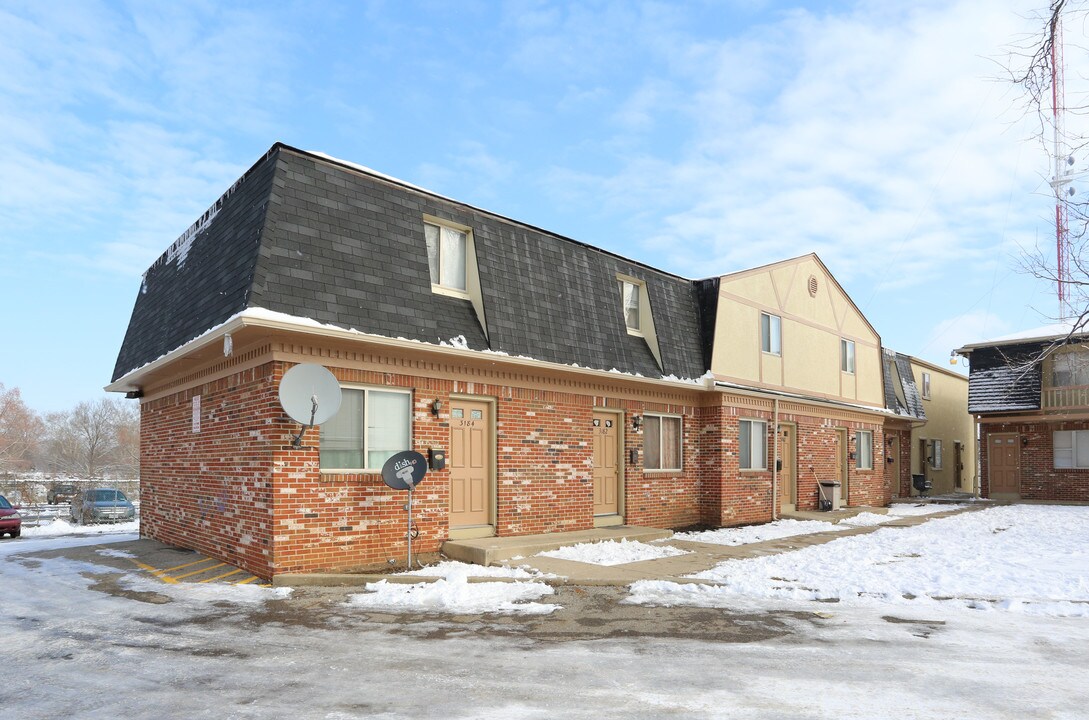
(405, 470)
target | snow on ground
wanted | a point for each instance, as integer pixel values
(759, 533)
(1025, 559)
(451, 569)
(455, 595)
(914, 510)
(865, 519)
(612, 552)
(60, 527)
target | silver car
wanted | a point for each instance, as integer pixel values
(102, 505)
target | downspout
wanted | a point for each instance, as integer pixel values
(775, 466)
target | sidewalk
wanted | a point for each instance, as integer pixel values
(704, 556)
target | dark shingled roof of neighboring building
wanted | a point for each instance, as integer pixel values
(316, 238)
(898, 369)
(1003, 379)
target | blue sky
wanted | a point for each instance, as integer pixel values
(701, 138)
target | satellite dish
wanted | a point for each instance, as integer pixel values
(310, 395)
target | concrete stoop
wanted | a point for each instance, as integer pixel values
(495, 550)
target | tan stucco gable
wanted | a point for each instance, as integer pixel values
(815, 313)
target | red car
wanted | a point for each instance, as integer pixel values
(10, 522)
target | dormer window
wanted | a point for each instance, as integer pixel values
(1070, 369)
(629, 293)
(446, 257)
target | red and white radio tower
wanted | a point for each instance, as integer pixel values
(1060, 182)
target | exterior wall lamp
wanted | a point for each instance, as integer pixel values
(436, 407)
(1024, 441)
(637, 421)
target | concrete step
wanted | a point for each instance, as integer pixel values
(494, 550)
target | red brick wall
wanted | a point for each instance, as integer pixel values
(212, 491)
(1039, 478)
(239, 491)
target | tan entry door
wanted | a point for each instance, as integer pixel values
(1004, 459)
(606, 467)
(788, 478)
(470, 463)
(892, 464)
(841, 463)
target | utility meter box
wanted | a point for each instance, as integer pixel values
(436, 459)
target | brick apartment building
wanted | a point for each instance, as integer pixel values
(1029, 393)
(569, 387)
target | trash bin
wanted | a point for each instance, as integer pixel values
(828, 492)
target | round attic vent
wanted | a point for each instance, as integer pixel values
(813, 285)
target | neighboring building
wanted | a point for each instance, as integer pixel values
(944, 449)
(1030, 395)
(902, 399)
(569, 387)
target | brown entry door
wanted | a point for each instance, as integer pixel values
(788, 479)
(470, 463)
(606, 467)
(1005, 466)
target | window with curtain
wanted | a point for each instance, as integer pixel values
(936, 454)
(446, 255)
(771, 334)
(847, 355)
(371, 426)
(1070, 368)
(864, 449)
(1070, 448)
(752, 445)
(629, 293)
(662, 442)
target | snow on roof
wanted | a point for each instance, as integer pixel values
(1062, 329)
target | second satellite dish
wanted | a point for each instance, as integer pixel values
(310, 395)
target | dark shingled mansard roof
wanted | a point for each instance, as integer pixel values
(316, 238)
(1004, 378)
(898, 365)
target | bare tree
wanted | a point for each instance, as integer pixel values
(1035, 65)
(85, 440)
(20, 431)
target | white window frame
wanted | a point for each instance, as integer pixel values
(661, 446)
(926, 386)
(640, 289)
(864, 449)
(1077, 437)
(762, 454)
(847, 361)
(367, 390)
(467, 247)
(774, 344)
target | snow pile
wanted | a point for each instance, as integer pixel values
(759, 533)
(1028, 559)
(452, 569)
(906, 510)
(60, 527)
(456, 595)
(866, 519)
(111, 552)
(612, 552)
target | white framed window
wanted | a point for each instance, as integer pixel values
(372, 425)
(1070, 368)
(771, 334)
(926, 386)
(662, 442)
(864, 449)
(630, 293)
(752, 445)
(847, 355)
(935, 454)
(1070, 448)
(446, 247)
